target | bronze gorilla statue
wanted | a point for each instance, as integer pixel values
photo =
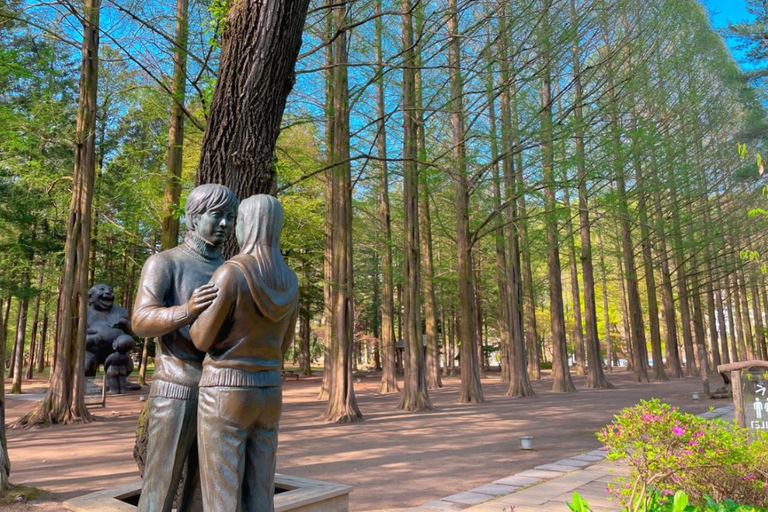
(108, 339)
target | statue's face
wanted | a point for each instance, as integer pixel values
(101, 297)
(214, 226)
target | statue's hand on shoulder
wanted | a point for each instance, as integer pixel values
(201, 298)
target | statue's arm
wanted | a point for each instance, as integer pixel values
(291, 332)
(151, 317)
(206, 327)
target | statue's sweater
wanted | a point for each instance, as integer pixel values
(167, 282)
(246, 330)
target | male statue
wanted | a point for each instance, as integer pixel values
(172, 292)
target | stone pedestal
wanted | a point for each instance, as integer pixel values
(292, 494)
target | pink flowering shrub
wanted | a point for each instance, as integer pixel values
(669, 451)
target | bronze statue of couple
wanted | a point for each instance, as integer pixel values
(222, 329)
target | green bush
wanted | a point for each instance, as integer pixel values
(676, 503)
(669, 451)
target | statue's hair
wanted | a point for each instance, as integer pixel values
(203, 198)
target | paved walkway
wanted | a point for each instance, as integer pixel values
(447, 457)
(548, 487)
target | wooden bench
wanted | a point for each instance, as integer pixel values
(289, 373)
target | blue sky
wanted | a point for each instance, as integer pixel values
(723, 11)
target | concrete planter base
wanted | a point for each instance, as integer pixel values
(293, 494)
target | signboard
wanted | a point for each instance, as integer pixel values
(754, 392)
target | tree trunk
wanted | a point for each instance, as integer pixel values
(471, 390)
(65, 400)
(639, 355)
(504, 317)
(34, 347)
(721, 324)
(595, 376)
(388, 349)
(21, 336)
(305, 367)
(746, 322)
(328, 348)
(650, 278)
(759, 333)
(519, 382)
(606, 312)
(259, 47)
(578, 333)
(432, 359)
(628, 341)
(144, 362)
(667, 293)
(42, 343)
(5, 463)
(342, 404)
(173, 162)
(561, 376)
(415, 396)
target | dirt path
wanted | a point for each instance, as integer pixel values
(392, 458)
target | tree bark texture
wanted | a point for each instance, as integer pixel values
(342, 404)
(471, 390)
(259, 46)
(415, 395)
(388, 349)
(561, 376)
(173, 162)
(432, 355)
(519, 382)
(65, 400)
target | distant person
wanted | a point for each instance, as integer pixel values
(173, 291)
(245, 332)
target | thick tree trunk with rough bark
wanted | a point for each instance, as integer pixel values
(259, 46)
(471, 390)
(415, 395)
(173, 162)
(65, 399)
(519, 382)
(328, 181)
(342, 404)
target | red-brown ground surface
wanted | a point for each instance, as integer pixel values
(392, 458)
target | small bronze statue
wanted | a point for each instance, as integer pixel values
(172, 292)
(119, 366)
(245, 332)
(107, 324)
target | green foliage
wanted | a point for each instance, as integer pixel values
(676, 503)
(668, 451)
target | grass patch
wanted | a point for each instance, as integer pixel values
(15, 492)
